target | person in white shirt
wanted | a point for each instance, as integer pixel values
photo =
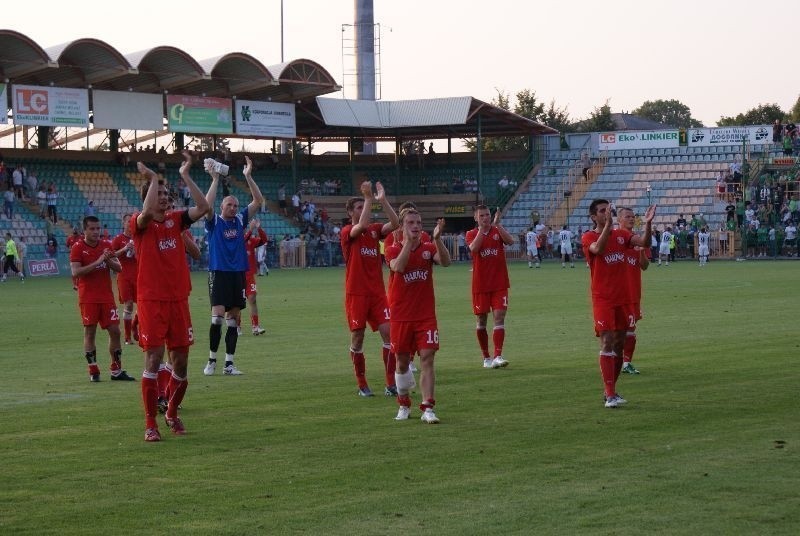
(663, 248)
(790, 239)
(531, 238)
(702, 245)
(565, 239)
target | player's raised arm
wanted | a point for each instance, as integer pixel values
(150, 201)
(391, 215)
(644, 240)
(504, 235)
(258, 197)
(366, 213)
(599, 246)
(442, 256)
(201, 206)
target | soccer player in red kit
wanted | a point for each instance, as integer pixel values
(489, 281)
(413, 311)
(71, 240)
(253, 238)
(163, 292)
(122, 246)
(91, 261)
(637, 262)
(604, 249)
(365, 297)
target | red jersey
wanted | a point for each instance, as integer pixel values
(72, 240)
(633, 262)
(163, 271)
(411, 293)
(130, 267)
(489, 269)
(363, 273)
(251, 242)
(609, 271)
(94, 287)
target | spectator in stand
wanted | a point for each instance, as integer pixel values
(51, 247)
(586, 164)
(680, 222)
(89, 210)
(17, 181)
(8, 203)
(41, 198)
(52, 203)
(790, 240)
(282, 199)
(296, 205)
(777, 132)
(787, 146)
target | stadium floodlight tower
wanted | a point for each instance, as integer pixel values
(365, 55)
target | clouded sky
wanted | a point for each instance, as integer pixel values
(719, 57)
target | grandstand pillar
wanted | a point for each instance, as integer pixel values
(480, 160)
(42, 133)
(113, 140)
(179, 142)
(398, 154)
(294, 165)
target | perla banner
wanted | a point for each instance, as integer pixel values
(705, 137)
(642, 139)
(50, 106)
(267, 119)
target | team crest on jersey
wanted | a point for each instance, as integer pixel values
(620, 240)
(374, 234)
(496, 236)
(426, 255)
(169, 224)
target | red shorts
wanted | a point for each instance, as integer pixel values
(127, 289)
(104, 314)
(250, 288)
(637, 312)
(614, 318)
(411, 337)
(164, 323)
(483, 302)
(361, 310)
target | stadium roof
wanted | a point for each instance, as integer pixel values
(91, 63)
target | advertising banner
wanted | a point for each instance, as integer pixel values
(754, 134)
(267, 119)
(37, 267)
(127, 110)
(50, 106)
(199, 115)
(642, 139)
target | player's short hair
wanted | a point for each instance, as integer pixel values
(351, 203)
(620, 209)
(406, 204)
(89, 219)
(480, 207)
(146, 187)
(595, 204)
(406, 211)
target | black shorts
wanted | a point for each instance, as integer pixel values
(282, 203)
(227, 288)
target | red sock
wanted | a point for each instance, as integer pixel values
(618, 362)
(360, 368)
(177, 389)
(607, 366)
(164, 375)
(135, 327)
(389, 365)
(630, 346)
(498, 336)
(404, 400)
(94, 369)
(483, 341)
(254, 320)
(128, 322)
(150, 398)
(427, 404)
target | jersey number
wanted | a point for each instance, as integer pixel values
(191, 333)
(433, 336)
(386, 314)
(114, 315)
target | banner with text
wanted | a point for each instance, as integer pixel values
(267, 119)
(705, 137)
(643, 139)
(4, 102)
(50, 106)
(37, 267)
(128, 110)
(199, 115)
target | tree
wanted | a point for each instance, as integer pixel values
(598, 121)
(668, 112)
(794, 115)
(526, 104)
(557, 118)
(760, 115)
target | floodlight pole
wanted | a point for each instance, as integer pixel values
(282, 31)
(649, 203)
(567, 195)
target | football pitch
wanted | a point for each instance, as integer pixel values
(707, 444)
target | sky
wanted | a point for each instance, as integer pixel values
(719, 57)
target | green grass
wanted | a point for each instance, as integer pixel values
(289, 449)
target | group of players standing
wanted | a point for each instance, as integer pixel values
(406, 320)
(150, 260)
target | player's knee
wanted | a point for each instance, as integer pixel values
(230, 322)
(216, 320)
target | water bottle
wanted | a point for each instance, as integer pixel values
(216, 167)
